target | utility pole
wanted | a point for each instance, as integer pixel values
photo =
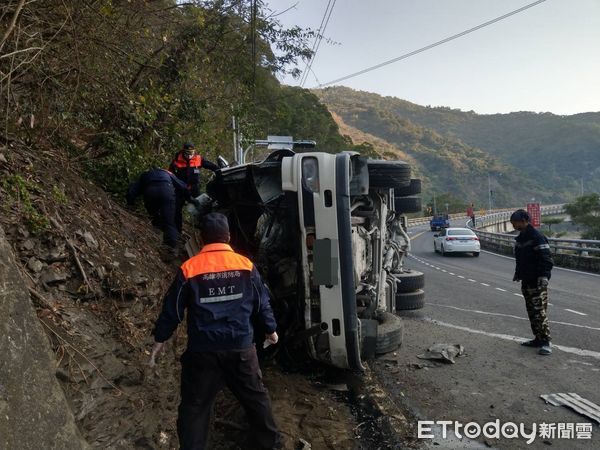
(582, 186)
(434, 205)
(490, 193)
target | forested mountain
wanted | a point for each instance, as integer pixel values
(549, 155)
(448, 165)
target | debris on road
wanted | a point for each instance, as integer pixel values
(443, 352)
(576, 403)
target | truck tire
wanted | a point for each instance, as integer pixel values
(409, 281)
(389, 333)
(407, 301)
(388, 174)
(413, 188)
(407, 204)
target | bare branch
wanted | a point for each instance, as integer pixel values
(12, 24)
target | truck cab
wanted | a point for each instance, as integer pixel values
(439, 222)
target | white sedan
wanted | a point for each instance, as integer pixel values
(456, 240)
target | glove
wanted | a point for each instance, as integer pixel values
(542, 282)
(516, 278)
(271, 339)
(158, 346)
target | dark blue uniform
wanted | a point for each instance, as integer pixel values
(222, 291)
(161, 190)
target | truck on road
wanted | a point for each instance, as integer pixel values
(438, 222)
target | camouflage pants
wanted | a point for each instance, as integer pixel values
(536, 301)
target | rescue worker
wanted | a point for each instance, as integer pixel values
(161, 190)
(186, 166)
(222, 290)
(533, 268)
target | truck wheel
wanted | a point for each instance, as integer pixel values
(388, 174)
(413, 188)
(410, 300)
(389, 333)
(407, 204)
(409, 281)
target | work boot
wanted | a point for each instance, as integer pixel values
(533, 343)
(545, 349)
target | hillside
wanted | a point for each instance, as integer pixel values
(448, 165)
(556, 151)
(92, 95)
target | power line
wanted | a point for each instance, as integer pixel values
(317, 42)
(303, 77)
(435, 44)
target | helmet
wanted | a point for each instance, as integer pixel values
(189, 149)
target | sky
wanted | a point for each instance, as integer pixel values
(544, 59)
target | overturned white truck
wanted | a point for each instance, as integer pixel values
(328, 234)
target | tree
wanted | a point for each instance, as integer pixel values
(549, 221)
(585, 211)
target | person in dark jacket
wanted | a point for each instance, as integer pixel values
(533, 268)
(221, 290)
(186, 165)
(161, 190)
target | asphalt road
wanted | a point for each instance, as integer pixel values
(473, 302)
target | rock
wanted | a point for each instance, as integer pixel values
(89, 240)
(35, 265)
(52, 276)
(28, 244)
(129, 255)
(303, 445)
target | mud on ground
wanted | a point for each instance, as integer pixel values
(96, 279)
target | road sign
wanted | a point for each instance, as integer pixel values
(533, 209)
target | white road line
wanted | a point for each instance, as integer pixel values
(576, 312)
(444, 270)
(500, 289)
(460, 276)
(520, 295)
(450, 273)
(485, 284)
(477, 311)
(508, 337)
(472, 281)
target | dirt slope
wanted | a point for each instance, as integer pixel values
(97, 283)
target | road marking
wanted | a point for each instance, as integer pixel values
(500, 289)
(576, 312)
(485, 284)
(417, 235)
(520, 295)
(460, 276)
(472, 281)
(477, 311)
(508, 337)
(451, 273)
(444, 270)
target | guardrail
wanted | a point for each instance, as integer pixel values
(580, 247)
(583, 254)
